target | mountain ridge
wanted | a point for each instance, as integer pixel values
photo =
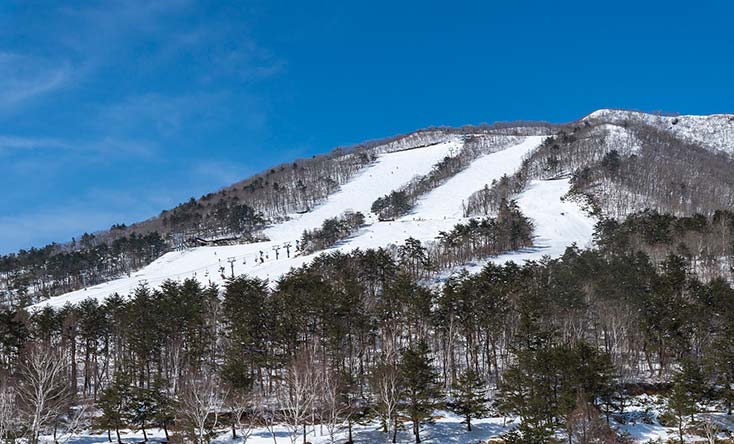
(599, 155)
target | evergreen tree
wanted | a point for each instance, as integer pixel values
(245, 310)
(143, 409)
(115, 403)
(421, 393)
(687, 390)
(470, 397)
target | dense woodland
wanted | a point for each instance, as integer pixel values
(563, 344)
(39, 273)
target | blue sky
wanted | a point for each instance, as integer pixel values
(113, 111)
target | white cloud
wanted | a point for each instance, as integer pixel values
(92, 149)
(13, 143)
(23, 78)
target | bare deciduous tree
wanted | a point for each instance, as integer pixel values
(387, 389)
(298, 397)
(43, 391)
(334, 408)
(244, 409)
(199, 406)
(8, 413)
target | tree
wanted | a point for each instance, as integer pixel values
(240, 395)
(164, 412)
(115, 403)
(544, 385)
(684, 395)
(146, 408)
(199, 402)
(585, 426)
(43, 392)
(387, 387)
(470, 397)
(419, 378)
(298, 398)
(336, 403)
(245, 309)
(8, 409)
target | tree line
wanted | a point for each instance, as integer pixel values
(38, 273)
(563, 344)
(332, 231)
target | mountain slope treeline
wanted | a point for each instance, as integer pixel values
(234, 214)
(544, 341)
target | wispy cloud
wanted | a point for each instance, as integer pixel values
(106, 146)
(24, 78)
(15, 143)
(144, 96)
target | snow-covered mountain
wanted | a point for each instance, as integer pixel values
(714, 131)
(558, 223)
(545, 162)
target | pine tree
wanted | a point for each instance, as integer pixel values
(164, 412)
(687, 389)
(143, 409)
(421, 392)
(239, 384)
(115, 403)
(470, 397)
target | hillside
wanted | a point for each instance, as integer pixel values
(437, 211)
(524, 282)
(615, 163)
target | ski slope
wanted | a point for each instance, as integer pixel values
(442, 208)
(389, 172)
(558, 224)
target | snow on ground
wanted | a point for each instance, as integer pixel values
(558, 224)
(442, 208)
(447, 428)
(389, 172)
(447, 200)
